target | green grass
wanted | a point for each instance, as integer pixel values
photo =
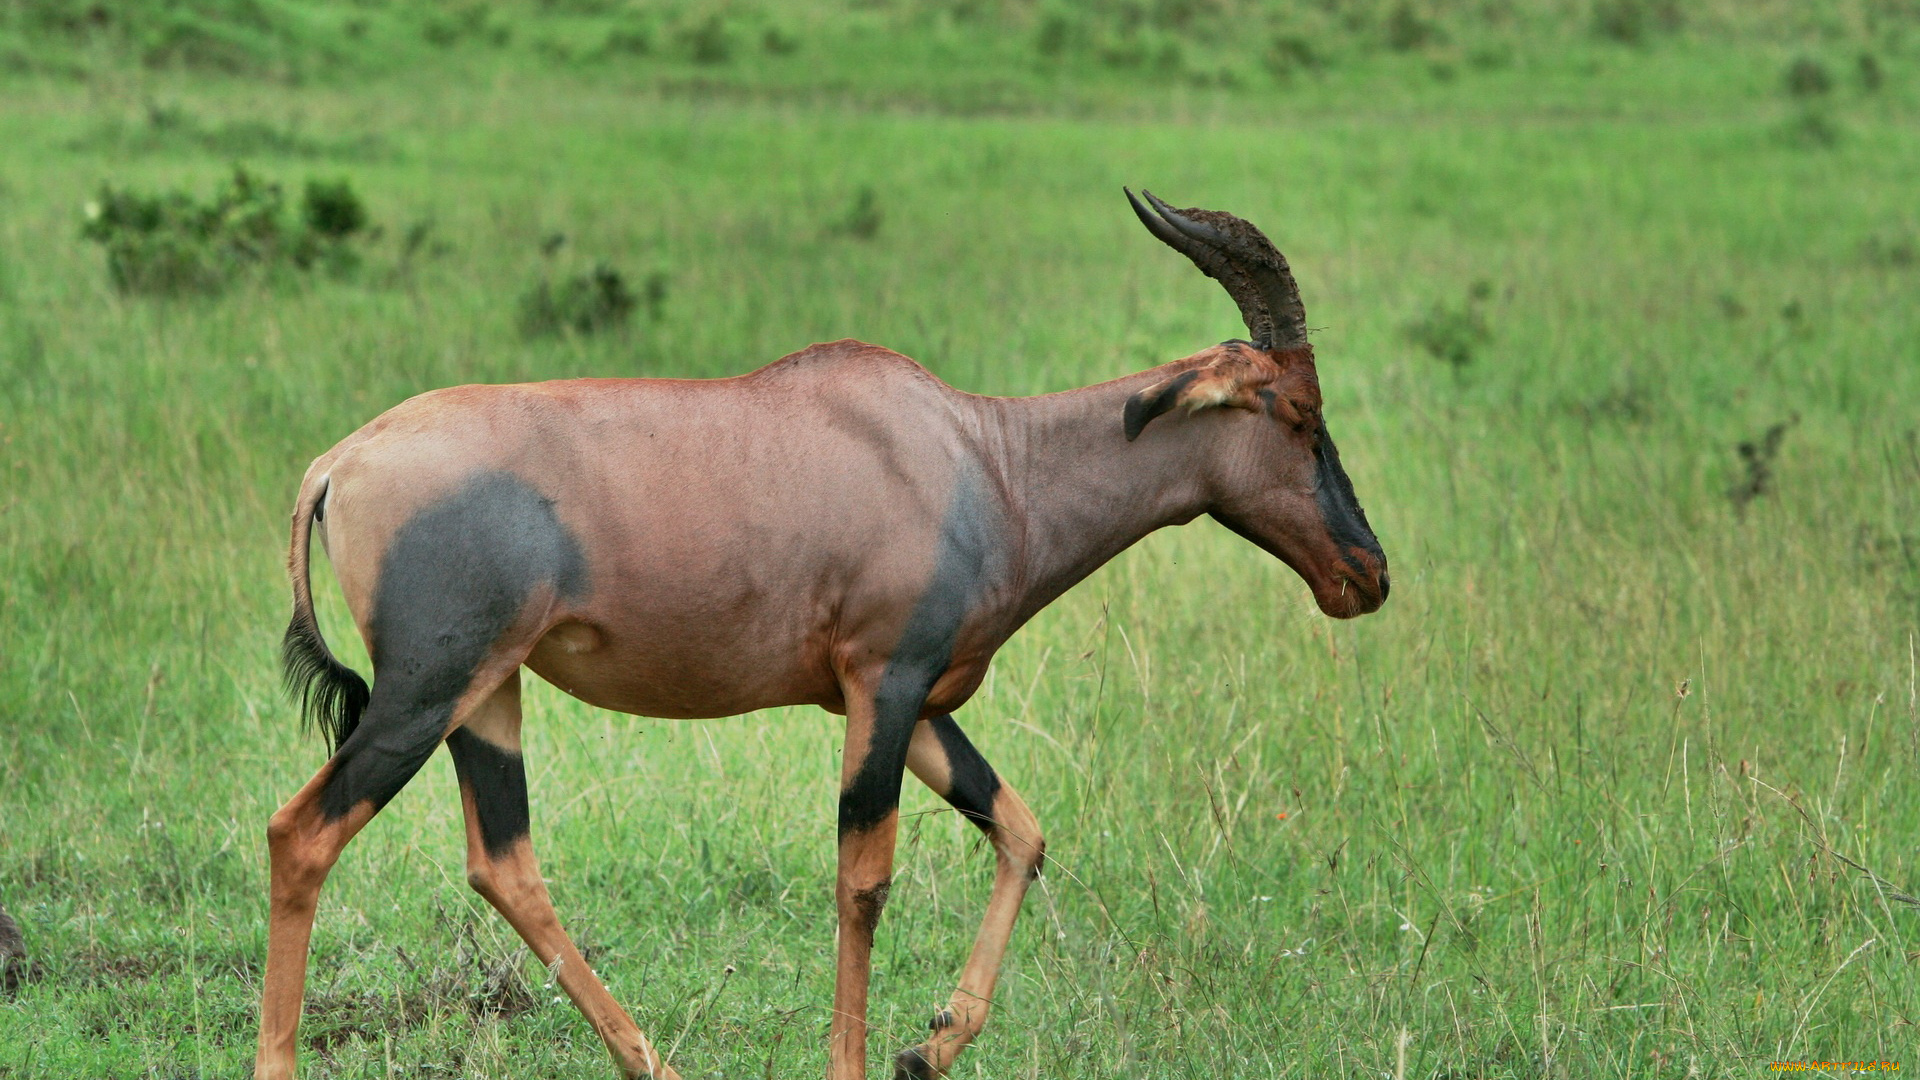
(1586, 798)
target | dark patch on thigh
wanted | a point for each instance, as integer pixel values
(498, 780)
(974, 784)
(453, 579)
(969, 535)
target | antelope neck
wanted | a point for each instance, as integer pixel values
(1084, 493)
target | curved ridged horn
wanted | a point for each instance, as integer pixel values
(1237, 255)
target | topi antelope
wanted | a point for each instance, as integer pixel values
(839, 527)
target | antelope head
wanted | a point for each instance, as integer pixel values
(1275, 477)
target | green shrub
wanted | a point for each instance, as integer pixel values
(708, 41)
(1406, 30)
(1807, 77)
(862, 219)
(588, 303)
(1454, 334)
(172, 244)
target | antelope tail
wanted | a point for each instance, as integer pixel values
(332, 695)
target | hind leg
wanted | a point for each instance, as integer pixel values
(945, 761)
(404, 722)
(501, 867)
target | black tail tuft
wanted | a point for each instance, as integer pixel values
(331, 694)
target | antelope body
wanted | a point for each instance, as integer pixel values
(838, 528)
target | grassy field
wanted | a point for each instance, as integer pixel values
(1623, 781)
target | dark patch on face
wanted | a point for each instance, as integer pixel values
(1340, 511)
(1141, 408)
(453, 580)
(867, 905)
(908, 1064)
(921, 656)
(498, 780)
(974, 784)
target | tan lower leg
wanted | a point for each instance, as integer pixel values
(512, 884)
(509, 878)
(1018, 848)
(866, 872)
(302, 847)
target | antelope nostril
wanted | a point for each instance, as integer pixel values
(1386, 585)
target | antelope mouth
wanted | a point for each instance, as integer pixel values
(1357, 587)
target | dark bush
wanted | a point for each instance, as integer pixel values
(1894, 250)
(1407, 30)
(1867, 68)
(1632, 22)
(332, 209)
(1807, 77)
(775, 43)
(172, 244)
(588, 303)
(708, 41)
(1290, 54)
(1454, 334)
(862, 219)
(1757, 457)
(631, 41)
(1811, 129)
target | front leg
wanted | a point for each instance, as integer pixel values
(880, 723)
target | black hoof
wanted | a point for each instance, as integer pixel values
(909, 1065)
(941, 1021)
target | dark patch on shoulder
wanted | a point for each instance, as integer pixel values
(498, 780)
(453, 579)
(968, 535)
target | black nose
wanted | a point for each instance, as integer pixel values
(1386, 584)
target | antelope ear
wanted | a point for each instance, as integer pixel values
(1230, 384)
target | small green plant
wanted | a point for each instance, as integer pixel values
(1407, 29)
(627, 41)
(863, 217)
(1807, 78)
(1632, 22)
(1811, 128)
(776, 43)
(588, 303)
(1288, 55)
(1454, 334)
(1757, 456)
(173, 244)
(1867, 70)
(1892, 250)
(708, 41)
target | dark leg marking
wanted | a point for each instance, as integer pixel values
(974, 781)
(909, 1065)
(453, 580)
(498, 781)
(968, 539)
(870, 902)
